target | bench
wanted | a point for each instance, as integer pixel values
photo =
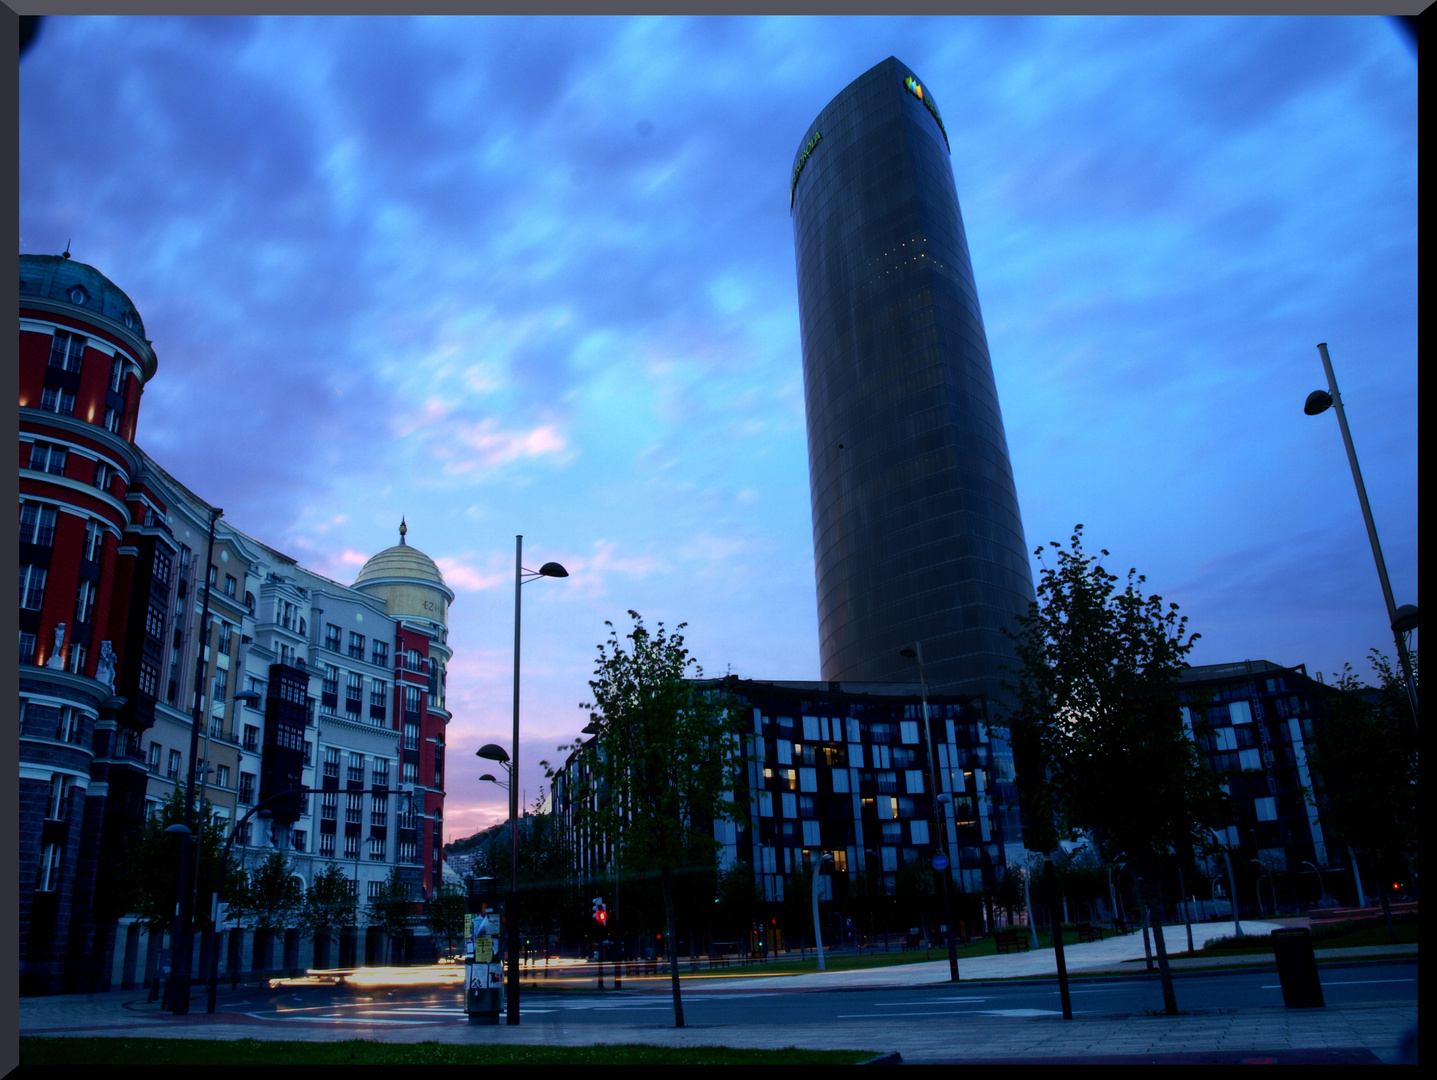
(1087, 932)
(1011, 939)
(717, 960)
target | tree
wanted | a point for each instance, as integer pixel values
(392, 908)
(330, 904)
(444, 914)
(270, 897)
(663, 762)
(1100, 742)
(1364, 768)
(152, 879)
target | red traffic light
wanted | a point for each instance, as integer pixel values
(603, 917)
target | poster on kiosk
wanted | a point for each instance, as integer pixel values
(483, 968)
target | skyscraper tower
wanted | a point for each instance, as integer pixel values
(916, 530)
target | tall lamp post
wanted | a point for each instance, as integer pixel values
(182, 952)
(521, 577)
(939, 823)
(1403, 620)
(817, 929)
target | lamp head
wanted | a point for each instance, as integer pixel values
(178, 829)
(1318, 402)
(1406, 618)
(490, 777)
(911, 654)
(249, 697)
(552, 569)
(493, 752)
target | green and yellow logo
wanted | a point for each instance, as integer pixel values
(802, 161)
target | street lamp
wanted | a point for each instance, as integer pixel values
(817, 930)
(521, 576)
(1257, 887)
(939, 824)
(1402, 620)
(1321, 885)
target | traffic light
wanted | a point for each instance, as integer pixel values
(600, 913)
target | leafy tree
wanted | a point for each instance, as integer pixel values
(662, 762)
(1098, 734)
(330, 904)
(444, 914)
(740, 904)
(152, 879)
(392, 909)
(1364, 767)
(270, 897)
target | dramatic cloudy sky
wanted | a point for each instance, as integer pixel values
(536, 276)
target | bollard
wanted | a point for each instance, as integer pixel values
(1297, 968)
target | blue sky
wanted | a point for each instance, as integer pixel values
(537, 276)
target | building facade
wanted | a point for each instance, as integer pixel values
(843, 769)
(917, 534)
(341, 687)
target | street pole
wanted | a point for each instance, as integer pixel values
(182, 952)
(1232, 888)
(1402, 657)
(817, 929)
(513, 906)
(938, 823)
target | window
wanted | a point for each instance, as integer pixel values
(330, 684)
(354, 694)
(231, 585)
(155, 758)
(222, 685)
(376, 890)
(411, 736)
(94, 540)
(112, 421)
(149, 680)
(37, 524)
(286, 655)
(67, 350)
(378, 695)
(55, 400)
(49, 875)
(297, 839)
(47, 458)
(379, 773)
(103, 473)
(408, 851)
(32, 587)
(117, 374)
(356, 768)
(381, 653)
(59, 800)
(376, 849)
(353, 809)
(409, 771)
(246, 788)
(356, 645)
(412, 660)
(326, 844)
(379, 811)
(412, 696)
(27, 647)
(154, 622)
(328, 805)
(226, 637)
(251, 738)
(287, 619)
(351, 847)
(331, 762)
(222, 776)
(76, 665)
(174, 770)
(331, 637)
(163, 565)
(918, 828)
(243, 833)
(309, 753)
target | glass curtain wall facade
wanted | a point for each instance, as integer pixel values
(917, 534)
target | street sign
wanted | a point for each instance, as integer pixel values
(940, 863)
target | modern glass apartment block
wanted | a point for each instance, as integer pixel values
(916, 529)
(843, 770)
(1253, 722)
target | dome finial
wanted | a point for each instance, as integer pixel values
(403, 528)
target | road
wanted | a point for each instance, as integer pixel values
(708, 1004)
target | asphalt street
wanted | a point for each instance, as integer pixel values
(709, 1003)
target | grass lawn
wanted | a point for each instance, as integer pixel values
(36, 1051)
(1338, 937)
